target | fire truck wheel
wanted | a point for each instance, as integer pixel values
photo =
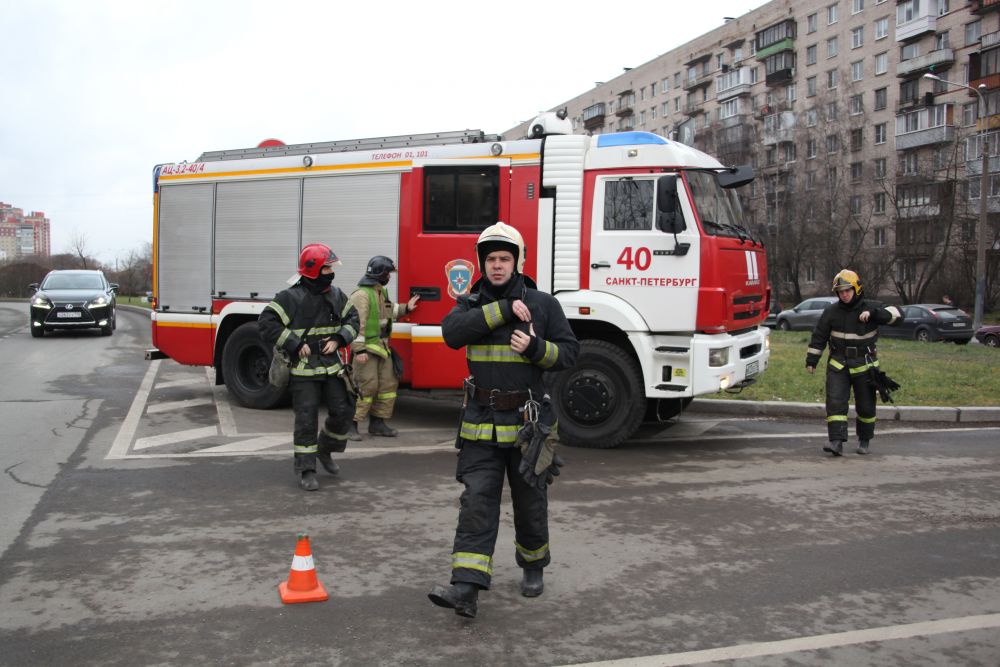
(600, 401)
(245, 364)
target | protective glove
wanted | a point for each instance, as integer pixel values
(539, 462)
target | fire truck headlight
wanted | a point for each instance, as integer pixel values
(767, 342)
(724, 382)
(718, 357)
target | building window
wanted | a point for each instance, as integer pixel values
(941, 41)
(754, 75)
(973, 31)
(881, 98)
(855, 210)
(665, 84)
(642, 118)
(831, 14)
(879, 232)
(909, 51)
(642, 94)
(857, 172)
(831, 47)
(790, 92)
(811, 86)
(811, 118)
(969, 114)
(811, 22)
(831, 78)
(881, 63)
(882, 28)
(908, 165)
(810, 179)
(652, 113)
(729, 108)
(879, 164)
(880, 133)
(857, 139)
(831, 110)
(857, 70)
(677, 79)
(831, 175)
(907, 11)
(810, 274)
(857, 105)
(857, 6)
(832, 143)
(858, 37)
(810, 148)
(811, 55)
(909, 91)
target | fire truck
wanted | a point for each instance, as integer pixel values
(640, 238)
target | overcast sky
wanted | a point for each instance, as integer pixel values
(94, 94)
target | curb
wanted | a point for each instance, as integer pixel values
(907, 413)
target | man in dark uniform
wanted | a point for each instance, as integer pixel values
(310, 321)
(850, 327)
(512, 334)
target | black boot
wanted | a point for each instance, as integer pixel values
(308, 480)
(531, 583)
(352, 433)
(377, 426)
(863, 447)
(328, 463)
(460, 596)
(836, 447)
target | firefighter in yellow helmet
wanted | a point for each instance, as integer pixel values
(373, 358)
(512, 334)
(849, 327)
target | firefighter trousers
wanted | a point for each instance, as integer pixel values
(377, 383)
(481, 468)
(307, 397)
(838, 397)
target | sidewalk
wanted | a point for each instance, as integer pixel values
(886, 412)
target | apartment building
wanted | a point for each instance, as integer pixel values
(862, 160)
(23, 235)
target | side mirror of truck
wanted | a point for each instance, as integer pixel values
(736, 177)
(668, 211)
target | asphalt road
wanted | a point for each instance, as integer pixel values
(147, 520)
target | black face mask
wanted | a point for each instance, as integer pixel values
(383, 279)
(319, 284)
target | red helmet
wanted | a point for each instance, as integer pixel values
(314, 257)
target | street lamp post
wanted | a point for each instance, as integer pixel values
(981, 238)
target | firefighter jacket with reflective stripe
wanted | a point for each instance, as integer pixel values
(376, 313)
(483, 323)
(851, 341)
(296, 316)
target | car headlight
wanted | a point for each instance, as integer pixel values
(99, 301)
(718, 357)
(41, 302)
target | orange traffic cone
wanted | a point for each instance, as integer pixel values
(302, 584)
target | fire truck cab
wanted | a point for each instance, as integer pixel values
(640, 238)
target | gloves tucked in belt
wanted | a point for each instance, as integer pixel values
(539, 462)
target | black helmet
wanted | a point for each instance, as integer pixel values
(378, 270)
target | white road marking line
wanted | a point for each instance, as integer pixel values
(178, 383)
(125, 434)
(251, 445)
(176, 436)
(804, 434)
(833, 640)
(355, 453)
(178, 405)
(227, 423)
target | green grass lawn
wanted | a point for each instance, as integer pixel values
(930, 373)
(133, 301)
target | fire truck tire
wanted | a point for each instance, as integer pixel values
(245, 364)
(600, 401)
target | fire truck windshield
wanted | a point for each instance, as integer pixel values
(718, 208)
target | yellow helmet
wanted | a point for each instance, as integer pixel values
(500, 236)
(845, 279)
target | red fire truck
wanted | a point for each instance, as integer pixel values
(641, 239)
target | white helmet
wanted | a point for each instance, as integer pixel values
(500, 236)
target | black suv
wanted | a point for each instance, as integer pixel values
(73, 300)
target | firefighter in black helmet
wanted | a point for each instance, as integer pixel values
(373, 358)
(311, 321)
(850, 327)
(512, 334)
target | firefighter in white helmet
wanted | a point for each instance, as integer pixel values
(512, 334)
(310, 321)
(850, 327)
(374, 361)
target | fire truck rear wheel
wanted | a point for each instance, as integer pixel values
(245, 364)
(600, 401)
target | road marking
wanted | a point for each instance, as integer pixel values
(227, 423)
(251, 445)
(833, 640)
(176, 436)
(354, 453)
(177, 383)
(127, 431)
(804, 434)
(178, 405)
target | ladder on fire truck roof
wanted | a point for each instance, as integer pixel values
(400, 141)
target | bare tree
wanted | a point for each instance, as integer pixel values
(78, 247)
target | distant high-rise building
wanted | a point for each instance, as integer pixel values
(23, 235)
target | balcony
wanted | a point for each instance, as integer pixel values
(700, 81)
(926, 127)
(921, 63)
(693, 109)
(780, 77)
(989, 40)
(787, 44)
(991, 81)
(593, 116)
(983, 6)
(624, 109)
(918, 26)
(778, 128)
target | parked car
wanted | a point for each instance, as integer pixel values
(73, 300)
(805, 315)
(930, 322)
(989, 335)
(772, 314)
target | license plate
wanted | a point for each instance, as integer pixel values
(958, 324)
(753, 368)
(71, 313)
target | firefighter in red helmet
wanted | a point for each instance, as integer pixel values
(311, 321)
(849, 327)
(512, 334)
